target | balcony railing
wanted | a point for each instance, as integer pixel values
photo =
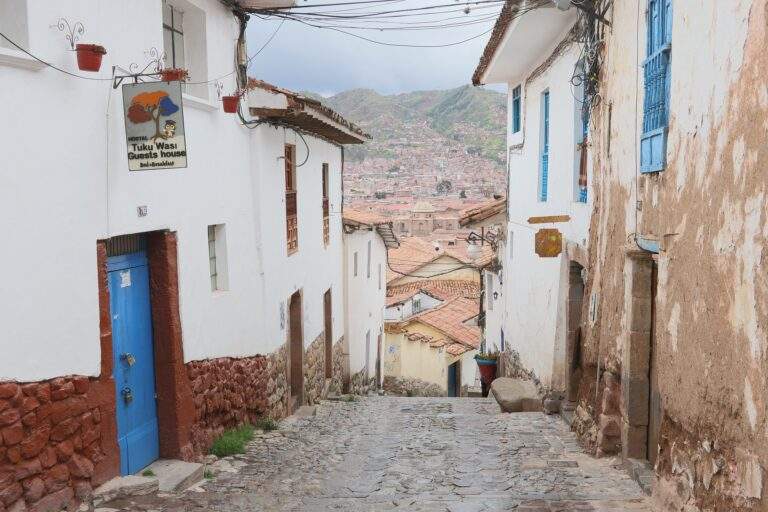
(326, 222)
(291, 222)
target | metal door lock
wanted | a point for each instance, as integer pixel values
(128, 358)
(127, 395)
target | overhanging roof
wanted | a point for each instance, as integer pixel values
(282, 106)
(521, 39)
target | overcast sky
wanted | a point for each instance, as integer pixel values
(304, 58)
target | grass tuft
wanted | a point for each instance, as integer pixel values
(232, 441)
(208, 474)
(147, 472)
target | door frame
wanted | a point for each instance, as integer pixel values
(328, 331)
(295, 350)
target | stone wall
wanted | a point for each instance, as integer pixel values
(50, 442)
(232, 391)
(314, 370)
(411, 387)
(340, 377)
(361, 384)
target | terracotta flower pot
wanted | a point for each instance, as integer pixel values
(173, 75)
(89, 56)
(230, 103)
(487, 370)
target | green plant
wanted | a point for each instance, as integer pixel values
(349, 398)
(232, 441)
(208, 474)
(267, 424)
(147, 472)
(493, 356)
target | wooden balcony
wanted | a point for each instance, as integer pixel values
(291, 222)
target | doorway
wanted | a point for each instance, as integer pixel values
(454, 379)
(133, 359)
(328, 334)
(654, 397)
(574, 335)
(378, 362)
(296, 350)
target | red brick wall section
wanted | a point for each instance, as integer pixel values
(51, 445)
(175, 407)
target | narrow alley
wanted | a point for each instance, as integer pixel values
(415, 454)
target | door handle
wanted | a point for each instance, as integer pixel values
(128, 358)
(127, 395)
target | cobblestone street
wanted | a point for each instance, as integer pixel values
(415, 454)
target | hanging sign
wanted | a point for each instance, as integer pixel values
(154, 126)
(549, 243)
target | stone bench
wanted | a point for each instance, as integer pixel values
(516, 395)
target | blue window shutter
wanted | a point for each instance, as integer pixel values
(516, 109)
(653, 143)
(544, 173)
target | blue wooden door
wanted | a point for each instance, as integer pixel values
(452, 384)
(134, 361)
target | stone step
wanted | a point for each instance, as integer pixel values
(124, 487)
(176, 475)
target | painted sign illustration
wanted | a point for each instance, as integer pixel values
(154, 126)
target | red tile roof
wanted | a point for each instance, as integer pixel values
(415, 252)
(441, 289)
(450, 319)
(507, 14)
(482, 212)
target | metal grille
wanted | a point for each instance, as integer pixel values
(126, 244)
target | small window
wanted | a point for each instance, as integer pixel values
(544, 155)
(355, 264)
(217, 257)
(368, 261)
(173, 36)
(185, 44)
(416, 305)
(516, 109)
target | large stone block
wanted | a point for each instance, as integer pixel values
(640, 315)
(515, 395)
(636, 356)
(634, 401)
(634, 441)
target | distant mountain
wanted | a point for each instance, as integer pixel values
(456, 135)
(475, 117)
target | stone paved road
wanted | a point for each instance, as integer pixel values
(414, 454)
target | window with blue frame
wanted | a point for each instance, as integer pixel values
(516, 99)
(544, 157)
(653, 143)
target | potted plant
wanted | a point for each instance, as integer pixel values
(231, 102)
(487, 363)
(89, 56)
(174, 75)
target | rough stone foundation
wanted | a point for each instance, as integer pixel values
(50, 443)
(339, 370)
(360, 384)
(232, 391)
(598, 426)
(314, 370)
(401, 386)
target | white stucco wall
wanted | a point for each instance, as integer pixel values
(405, 310)
(66, 185)
(366, 297)
(535, 288)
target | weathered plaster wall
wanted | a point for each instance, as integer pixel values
(707, 209)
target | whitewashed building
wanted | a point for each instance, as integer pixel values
(532, 52)
(366, 240)
(163, 305)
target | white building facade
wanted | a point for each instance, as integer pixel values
(548, 184)
(206, 295)
(366, 239)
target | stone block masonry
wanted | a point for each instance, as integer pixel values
(51, 436)
(314, 370)
(229, 392)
